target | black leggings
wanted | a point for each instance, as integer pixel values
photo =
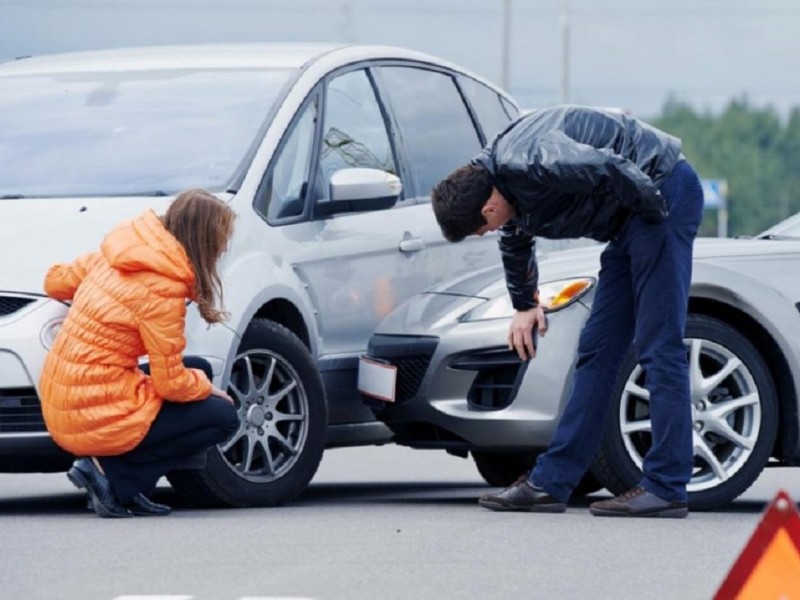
(180, 430)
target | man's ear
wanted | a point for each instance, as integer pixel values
(489, 207)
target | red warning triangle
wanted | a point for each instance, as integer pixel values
(769, 566)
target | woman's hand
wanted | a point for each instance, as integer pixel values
(215, 391)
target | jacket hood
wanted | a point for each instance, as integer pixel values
(144, 244)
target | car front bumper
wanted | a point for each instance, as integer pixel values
(459, 387)
(25, 444)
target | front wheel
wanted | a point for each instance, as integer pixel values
(282, 411)
(734, 416)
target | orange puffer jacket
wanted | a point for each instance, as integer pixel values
(129, 300)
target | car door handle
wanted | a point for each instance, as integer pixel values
(412, 245)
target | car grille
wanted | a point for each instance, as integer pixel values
(492, 390)
(410, 354)
(11, 304)
(499, 373)
(410, 371)
(20, 411)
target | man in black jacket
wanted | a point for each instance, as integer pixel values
(568, 172)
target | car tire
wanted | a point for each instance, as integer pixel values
(283, 413)
(723, 468)
(501, 470)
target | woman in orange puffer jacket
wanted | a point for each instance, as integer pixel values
(132, 424)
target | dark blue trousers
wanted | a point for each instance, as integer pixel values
(642, 296)
(180, 430)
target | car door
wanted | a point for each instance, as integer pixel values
(365, 262)
(438, 134)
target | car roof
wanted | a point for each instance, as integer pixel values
(254, 55)
(169, 57)
(221, 56)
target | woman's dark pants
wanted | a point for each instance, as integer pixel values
(180, 430)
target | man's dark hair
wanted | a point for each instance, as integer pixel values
(458, 200)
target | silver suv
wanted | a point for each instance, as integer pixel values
(326, 153)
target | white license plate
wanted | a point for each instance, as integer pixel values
(377, 379)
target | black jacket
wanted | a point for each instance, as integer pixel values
(573, 172)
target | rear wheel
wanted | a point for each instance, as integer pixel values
(282, 411)
(734, 415)
(501, 470)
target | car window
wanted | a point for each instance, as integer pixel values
(285, 189)
(437, 131)
(354, 131)
(486, 104)
(121, 133)
(511, 110)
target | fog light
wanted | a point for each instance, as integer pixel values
(49, 332)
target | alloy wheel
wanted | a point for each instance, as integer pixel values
(726, 414)
(273, 413)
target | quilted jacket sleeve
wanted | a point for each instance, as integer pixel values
(580, 168)
(62, 280)
(161, 328)
(518, 251)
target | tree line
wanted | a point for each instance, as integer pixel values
(755, 149)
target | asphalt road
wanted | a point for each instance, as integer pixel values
(378, 523)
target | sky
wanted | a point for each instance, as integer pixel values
(622, 53)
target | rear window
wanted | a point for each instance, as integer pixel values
(130, 133)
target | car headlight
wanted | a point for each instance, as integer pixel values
(49, 333)
(553, 296)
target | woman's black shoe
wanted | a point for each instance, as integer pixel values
(84, 475)
(142, 506)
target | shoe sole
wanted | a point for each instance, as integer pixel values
(669, 513)
(140, 513)
(540, 508)
(150, 514)
(79, 480)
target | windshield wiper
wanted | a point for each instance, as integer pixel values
(148, 193)
(156, 194)
(777, 236)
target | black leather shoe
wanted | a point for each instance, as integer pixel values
(84, 475)
(638, 502)
(522, 496)
(142, 506)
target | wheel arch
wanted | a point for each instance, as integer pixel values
(787, 439)
(285, 313)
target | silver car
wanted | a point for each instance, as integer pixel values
(326, 153)
(439, 374)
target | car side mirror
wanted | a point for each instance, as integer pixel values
(359, 190)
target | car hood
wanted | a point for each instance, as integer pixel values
(721, 248)
(484, 283)
(37, 233)
(585, 261)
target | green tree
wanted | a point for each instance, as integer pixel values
(752, 148)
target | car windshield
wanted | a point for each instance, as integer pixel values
(130, 133)
(788, 228)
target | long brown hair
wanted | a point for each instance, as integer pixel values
(203, 224)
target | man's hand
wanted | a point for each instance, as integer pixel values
(520, 332)
(215, 391)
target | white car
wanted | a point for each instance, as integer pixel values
(326, 153)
